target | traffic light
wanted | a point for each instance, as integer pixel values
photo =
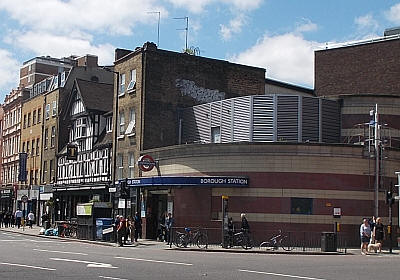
(389, 198)
(124, 189)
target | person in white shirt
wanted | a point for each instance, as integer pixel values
(31, 219)
(18, 218)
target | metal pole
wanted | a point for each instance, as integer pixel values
(376, 138)
(390, 227)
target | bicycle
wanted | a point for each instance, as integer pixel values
(191, 237)
(69, 230)
(277, 241)
(241, 238)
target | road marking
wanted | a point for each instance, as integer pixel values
(154, 261)
(112, 278)
(282, 275)
(28, 266)
(60, 252)
(89, 263)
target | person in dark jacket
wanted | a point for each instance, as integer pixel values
(138, 226)
(121, 230)
(245, 224)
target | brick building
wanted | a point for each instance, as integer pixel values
(154, 84)
(11, 140)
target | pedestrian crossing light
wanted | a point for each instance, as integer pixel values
(72, 152)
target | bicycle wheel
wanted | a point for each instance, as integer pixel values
(285, 244)
(246, 243)
(267, 245)
(202, 241)
(180, 240)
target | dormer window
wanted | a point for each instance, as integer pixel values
(132, 83)
(63, 78)
(80, 128)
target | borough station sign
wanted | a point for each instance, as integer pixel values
(222, 181)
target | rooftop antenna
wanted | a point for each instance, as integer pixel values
(158, 27)
(186, 29)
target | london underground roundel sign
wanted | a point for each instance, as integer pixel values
(146, 163)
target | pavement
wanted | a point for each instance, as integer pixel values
(149, 243)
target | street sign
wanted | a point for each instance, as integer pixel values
(112, 190)
(24, 199)
(337, 212)
(108, 230)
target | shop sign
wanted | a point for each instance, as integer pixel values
(337, 212)
(84, 209)
(190, 181)
(146, 163)
(6, 193)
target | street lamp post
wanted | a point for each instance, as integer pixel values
(115, 135)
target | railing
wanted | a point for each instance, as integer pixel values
(298, 241)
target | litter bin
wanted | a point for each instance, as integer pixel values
(328, 242)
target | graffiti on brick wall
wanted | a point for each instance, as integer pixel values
(201, 94)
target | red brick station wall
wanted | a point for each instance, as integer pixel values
(330, 175)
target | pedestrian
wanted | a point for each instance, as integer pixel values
(231, 231)
(127, 230)
(372, 223)
(7, 219)
(1, 219)
(379, 233)
(245, 224)
(31, 219)
(116, 224)
(131, 224)
(169, 223)
(365, 234)
(138, 226)
(121, 229)
(11, 219)
(18, 218)
(45, 221)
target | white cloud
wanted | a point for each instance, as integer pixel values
(42, 43)
(234, 27)
(115, 17)
(9, 70)
(393, 14)
(198, 6)
(306, 26)
(366, 22)
(288, 57)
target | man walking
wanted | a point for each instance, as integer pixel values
(31, 219)
(18, 218)
(169, 223)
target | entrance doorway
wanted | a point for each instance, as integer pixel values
(157, 207)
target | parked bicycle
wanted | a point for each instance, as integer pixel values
(191, 237)
(241, 238)
(279, 240)
(69, 230)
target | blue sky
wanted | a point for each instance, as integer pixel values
(279, 35)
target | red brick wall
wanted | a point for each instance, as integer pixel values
(367, 68)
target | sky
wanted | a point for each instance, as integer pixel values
(278, 35)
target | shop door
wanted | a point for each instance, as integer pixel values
(156, 218)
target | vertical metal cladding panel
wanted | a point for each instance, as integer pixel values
(190, 132)
(310, 119)
(226, 121)
(330, 121)
(263, 118)
(216, 113)
(202, 117)
(287, 118)
(241, 119)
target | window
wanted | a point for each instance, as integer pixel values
(303, 206)
(44, 171)
(46, 137)
(80, 128)
(54, 108)
(23, 147)
(51, 174)
(132, 84)
(27, 147)
(29, 119)
(121, 123)
(63, 77)
(39, 115)
(47, 111)
(131, 165)
(122, 84)
(33, 147)
(34, 118)
(120, 162)
(216, 134)
(109, 124)
(37, 146)
(53, 136)
(130, 130)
